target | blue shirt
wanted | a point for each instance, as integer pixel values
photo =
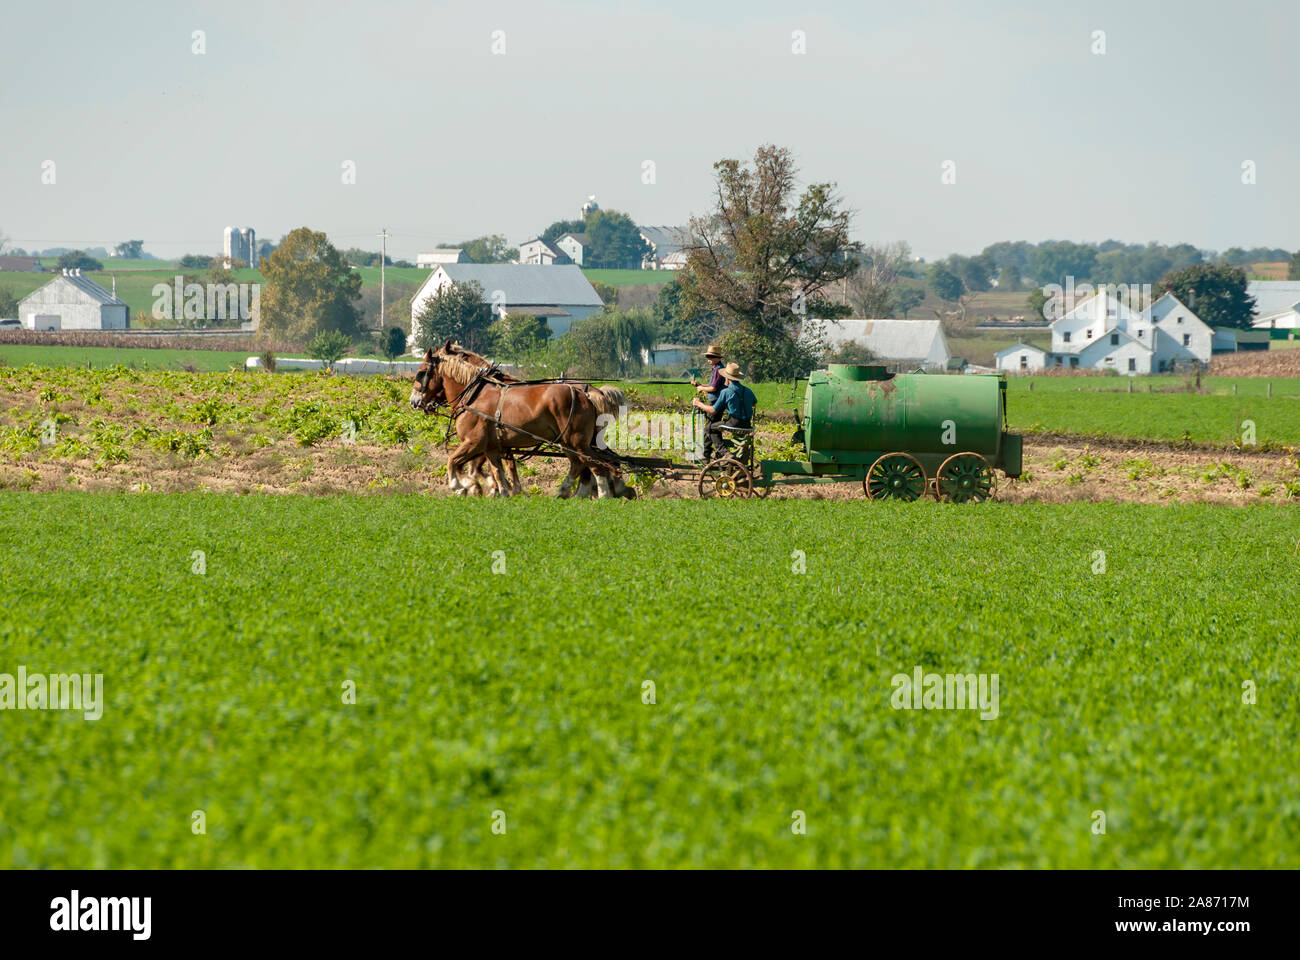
(737, 399)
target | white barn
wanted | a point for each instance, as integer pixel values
(432, 258)
(559, 294)
(73, 302)
(897, 343)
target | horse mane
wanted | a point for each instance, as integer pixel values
(462, 366)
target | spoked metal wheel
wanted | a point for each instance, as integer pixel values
(727, 479)
(895, 476)
(966, 478)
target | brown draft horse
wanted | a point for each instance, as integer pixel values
(495, 415)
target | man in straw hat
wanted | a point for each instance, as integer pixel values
(734, 407)
(713, 354)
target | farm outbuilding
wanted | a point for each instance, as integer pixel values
(1021, 358)
(901, 344)
(559, 294)
(1234, 340)
(73, 302)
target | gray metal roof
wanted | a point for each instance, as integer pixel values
(528, 283)
(92, 289)
(89, 287)
(888, 339)
(665, 240)
(1274, 296)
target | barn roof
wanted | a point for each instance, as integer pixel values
(528, 283)
(86, 286)
(1274, 296)
(889, 339)
(665, 240)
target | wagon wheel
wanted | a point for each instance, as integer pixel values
(966, 478)
(727, 479)
(762, 491)
(895, 476)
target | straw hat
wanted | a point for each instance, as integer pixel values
(713, 350)
(732, 372)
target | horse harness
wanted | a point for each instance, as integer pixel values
(489, 375)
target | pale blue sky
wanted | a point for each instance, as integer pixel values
(450, 141)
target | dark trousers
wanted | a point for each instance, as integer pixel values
(717, 443)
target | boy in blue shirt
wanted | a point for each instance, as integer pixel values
(734, 407)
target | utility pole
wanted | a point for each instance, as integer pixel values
(383, 262)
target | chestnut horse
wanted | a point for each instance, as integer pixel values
(495, 414)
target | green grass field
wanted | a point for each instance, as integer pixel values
(16, 355)
(1101, 406)
(134, 285)
(523, 693)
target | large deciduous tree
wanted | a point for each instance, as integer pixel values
(79, 260)
(871, 289)
(614, 242)
(560, 227)
(491, 248)
(1215, 292)
(309, 289)
(455, 313)
(763, 258)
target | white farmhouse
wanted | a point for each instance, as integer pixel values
(572, 245)
(897, 343)
(542, 253)
(73, 302)
(559, 294)
(1105, 333)
(1021, 358)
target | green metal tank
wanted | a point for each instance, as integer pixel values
(853, 414)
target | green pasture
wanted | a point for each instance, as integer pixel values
(141, 358)
(647, 684)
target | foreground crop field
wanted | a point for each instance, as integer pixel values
(1120, 691)
(113, 430)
